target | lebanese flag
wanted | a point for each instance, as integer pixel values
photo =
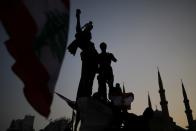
(38, 31)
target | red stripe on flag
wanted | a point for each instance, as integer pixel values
(66, 4)
(22, 29)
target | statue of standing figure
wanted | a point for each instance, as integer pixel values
(88, 56)
(105, 71)
(89, 60)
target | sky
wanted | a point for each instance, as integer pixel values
(142, 35)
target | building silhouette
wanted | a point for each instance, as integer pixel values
(159, 123)
(188, 111)
(25, 124)
(161, 120)
(61, 124)
(149, 101)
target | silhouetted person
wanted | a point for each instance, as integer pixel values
(105, 70)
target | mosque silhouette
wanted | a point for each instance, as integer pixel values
(161, 120)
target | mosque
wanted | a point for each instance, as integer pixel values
(161, 120)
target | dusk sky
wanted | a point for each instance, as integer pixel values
(142, 35)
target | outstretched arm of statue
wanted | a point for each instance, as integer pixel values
(78, 25)
(114, 58)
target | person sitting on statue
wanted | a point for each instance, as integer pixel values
(105, 70)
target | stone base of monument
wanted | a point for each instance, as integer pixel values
(94, 114)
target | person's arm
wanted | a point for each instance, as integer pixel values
(113, 58)
(78, 25)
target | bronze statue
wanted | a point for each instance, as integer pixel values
(89, 60)
(88, 56)
(105, 70)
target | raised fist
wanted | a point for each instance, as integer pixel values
(78, 12)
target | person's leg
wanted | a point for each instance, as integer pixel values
(102, 87)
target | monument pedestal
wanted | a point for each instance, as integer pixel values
(95, 115)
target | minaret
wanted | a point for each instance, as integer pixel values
(149, 101)
(163, 101)
(123, 88)
(188, 110)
